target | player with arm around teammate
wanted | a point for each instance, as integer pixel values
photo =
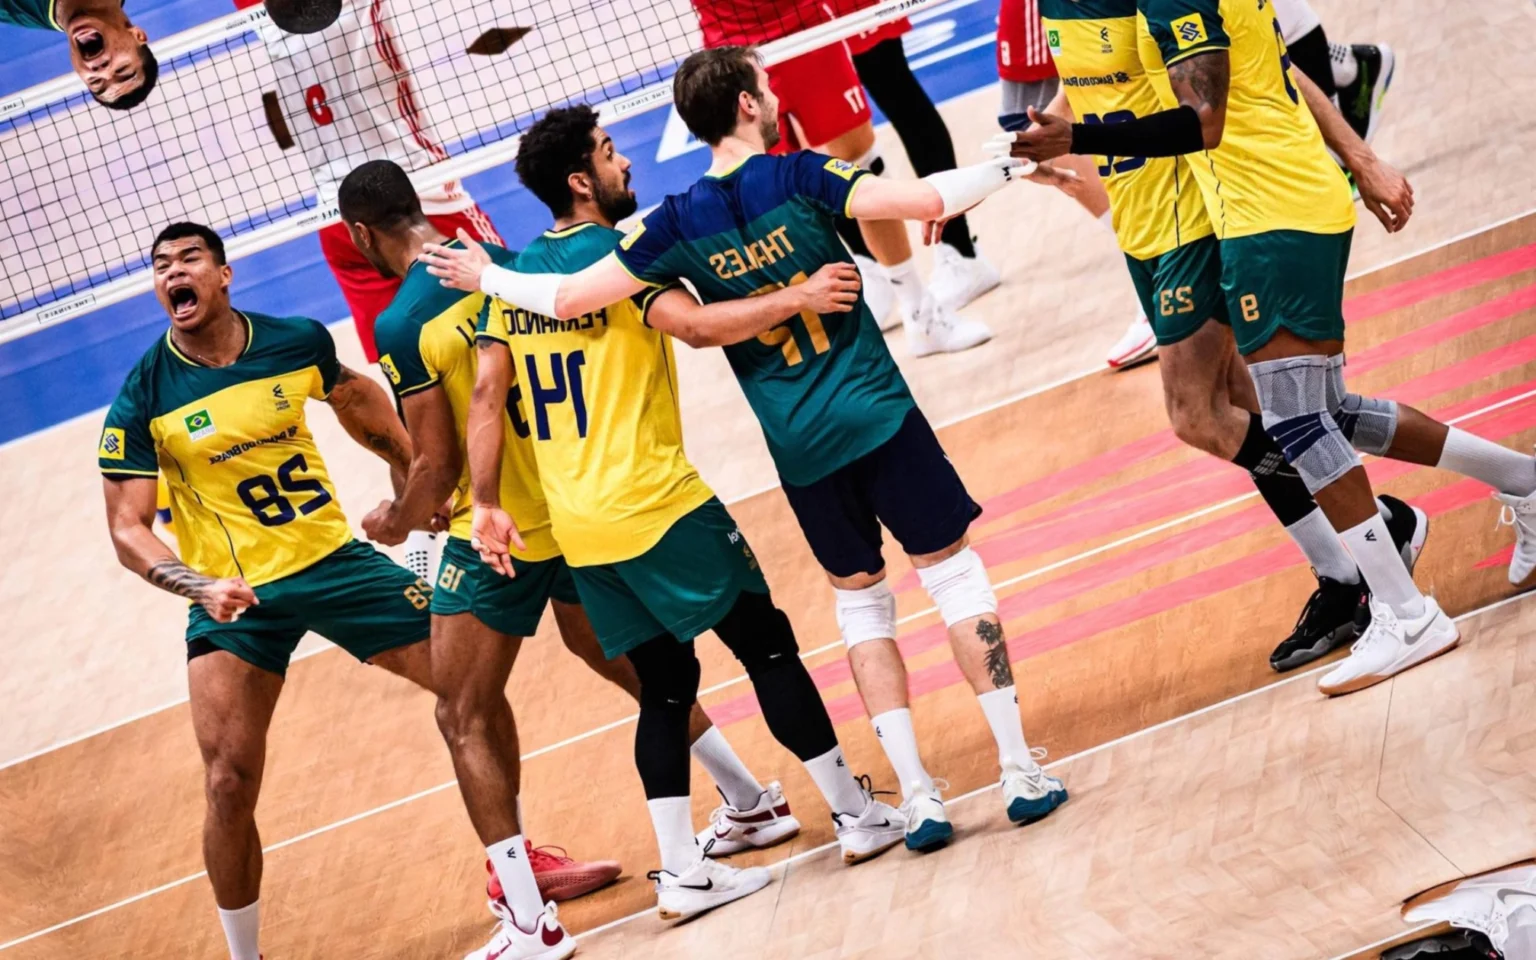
(850, 445)
(1227, 92)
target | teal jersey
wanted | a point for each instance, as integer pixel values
(33, 14)
(824, 388)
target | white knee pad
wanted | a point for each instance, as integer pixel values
(1294, 397)
(1368, 422)
(960, 587)
(1297, 19)
(868, 614)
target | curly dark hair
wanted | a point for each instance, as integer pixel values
(555, 147)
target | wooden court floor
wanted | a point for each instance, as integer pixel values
(1139, 583)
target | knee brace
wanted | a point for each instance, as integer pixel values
(959, 587)
(668, 672)
(1293, 395)
(868, 614)
(1368, 423)
(758, 633)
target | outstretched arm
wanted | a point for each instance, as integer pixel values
(558, 295)
(1387, 193)
(431, 474)
(832, 289)
(943, 195)
(130, 519)
(366, 414)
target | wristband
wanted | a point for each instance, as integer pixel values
(962, 189)
(534, 292)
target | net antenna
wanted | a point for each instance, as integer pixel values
(250, 129)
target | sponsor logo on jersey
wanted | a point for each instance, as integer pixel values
(1053, 40)
(1189, 31)
(841, 168)
(1104, 39)
(199, 424)
(113, 444)
(387, 364)
(633, 235)
(278, 398)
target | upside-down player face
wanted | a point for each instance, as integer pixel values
(768, 120)
(610, 178)
(106, 56)
(189, 283)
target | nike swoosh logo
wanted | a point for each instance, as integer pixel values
(1516, 898)
(710, 885)
(552, 935)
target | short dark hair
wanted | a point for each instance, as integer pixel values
(559, 145)
(183, 229)
(138, 95)
(708, 86)
(380, 195)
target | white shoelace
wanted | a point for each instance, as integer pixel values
(1510, 517)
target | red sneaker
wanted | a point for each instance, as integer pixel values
(559, 877)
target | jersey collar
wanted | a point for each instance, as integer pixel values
(572, 229)
(250, 338)
(732, 168)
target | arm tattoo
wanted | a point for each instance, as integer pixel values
(1207, 76)
(386, 447)
(991, 634)
(176, 577)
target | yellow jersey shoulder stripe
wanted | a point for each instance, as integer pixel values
(1206, 47)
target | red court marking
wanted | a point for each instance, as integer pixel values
(1410, 292)
(1500, 559)
(1441, 330)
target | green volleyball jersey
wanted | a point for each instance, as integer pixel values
(824, 388)
(33, 14)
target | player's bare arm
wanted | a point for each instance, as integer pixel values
(832, 289)
(1386, 192)
(430, 475)
(366, 414)
(493, 533)
(130, 518)
(1201, 83)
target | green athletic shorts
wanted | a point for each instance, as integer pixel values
(1285, 279)
(683, 585)
(509, 605)
(356, 597)
(1181, 289)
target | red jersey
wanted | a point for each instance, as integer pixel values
(727, 22)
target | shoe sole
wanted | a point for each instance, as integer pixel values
(1435, 893)
(1388, 71)
(1024, 812)
(742, 846)
(1414, 548)
(1360, 683)
(1143, 351)
(1347, 633)
(850, 857)
(930, 835)
(561, 889)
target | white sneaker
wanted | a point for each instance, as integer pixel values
(928, 826)
(1391, 645)
(1482, 903)
(879, 295)
(1031, 793)
(548, 940)
(934, 329)
(732, 830)
(704, 886)
(956, 280)
(1136, 344)
(877, 829)
(1520, 513)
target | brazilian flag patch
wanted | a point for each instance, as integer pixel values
(199, 424)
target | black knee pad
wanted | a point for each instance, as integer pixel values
(758, 633)
(668, 672)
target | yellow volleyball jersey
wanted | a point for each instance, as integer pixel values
(426, 338)
(599, 396)
(248, 488)
(1271, 171)
(1155, 201)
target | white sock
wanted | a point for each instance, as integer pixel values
(418, 554)
(1345, 66)
(843, 793)
(893, 728)
(1382, 566)
(907, 283)
(1002, 709)
(509, 858)
(1506, 470)
(673, 819)
(740, 789)
(241, 929)
(1321, 545)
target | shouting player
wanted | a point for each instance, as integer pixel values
(109, 54)
(851, 447)
(479, 615)
(1284, 220)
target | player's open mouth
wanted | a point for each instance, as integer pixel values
(89, 43)
(183, 302)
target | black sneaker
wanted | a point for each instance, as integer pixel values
(1327, 622)
(1456, 945)
(1409, 527)
(1360, 102)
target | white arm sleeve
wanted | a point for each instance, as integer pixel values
(534, 292)
(965, 187)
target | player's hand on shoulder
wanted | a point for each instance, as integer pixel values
(832, 289)
(226, 599)
(493, 535)
(456, 267)
(1386, 193)
(1047, 138)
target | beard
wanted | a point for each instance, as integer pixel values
(616, 204)
(769, 128)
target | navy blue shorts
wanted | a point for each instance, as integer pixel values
(906, 483)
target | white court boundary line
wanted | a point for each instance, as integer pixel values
(960, 418)
(623, 721)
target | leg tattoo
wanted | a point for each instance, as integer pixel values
(991, 634)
